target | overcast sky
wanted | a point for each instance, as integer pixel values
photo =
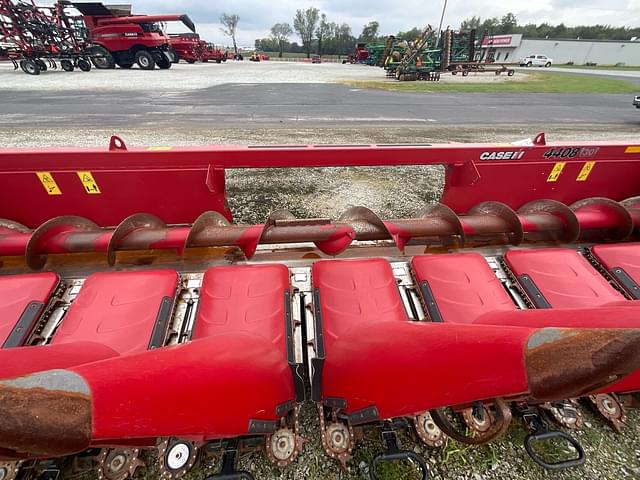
(257, 17)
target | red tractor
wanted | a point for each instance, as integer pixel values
(360, 54)
(119, 38)
(211, 53)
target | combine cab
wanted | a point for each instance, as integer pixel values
(119, 38)
(141, 319)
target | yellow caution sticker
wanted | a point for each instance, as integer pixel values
(633, 149)
(88, 182)
(586, 170)
(556, 171)
(49, 184)
(159, 148)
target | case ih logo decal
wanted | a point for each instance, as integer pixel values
(510, 155)
(571, 152)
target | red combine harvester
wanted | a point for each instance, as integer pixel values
(135, 316)
(119, 38)
(190, 48)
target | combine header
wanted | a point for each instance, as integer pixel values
(136, 317)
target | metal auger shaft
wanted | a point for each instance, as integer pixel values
(594, 219)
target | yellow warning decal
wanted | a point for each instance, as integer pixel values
(633, 149)
(89, 183)
(159, 149)
(49, 184)
(586, 170)
(556, 171)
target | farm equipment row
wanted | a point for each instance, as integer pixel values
(428, 56)
(34, 38)
(178, 334)
(190, 48)
(79, 34)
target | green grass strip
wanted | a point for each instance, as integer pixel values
(537, 82)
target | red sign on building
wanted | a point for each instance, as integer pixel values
(497, 40)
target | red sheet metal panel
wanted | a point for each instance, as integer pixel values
(118, 309)
(226, 381)
(16, 362)
(368, 336)
(239, 346)
(176, 196)
(463, 285)
(608, 173)
(17, 292)
(177, 184)
(620, 315)
(625, 256)
(625, 314)
(356, 293)
(244, 298)
(563, 276)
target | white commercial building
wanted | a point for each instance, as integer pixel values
(512, 48)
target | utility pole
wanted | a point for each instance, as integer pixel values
(444, 8)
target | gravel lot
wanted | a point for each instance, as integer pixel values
(327, 192)
(203, 75)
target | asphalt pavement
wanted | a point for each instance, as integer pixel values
(305, 105)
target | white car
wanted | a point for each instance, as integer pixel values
(536, 61)
(636, 101)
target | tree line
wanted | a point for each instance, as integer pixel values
(508, 24)
(321, 36)
(318, 35)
